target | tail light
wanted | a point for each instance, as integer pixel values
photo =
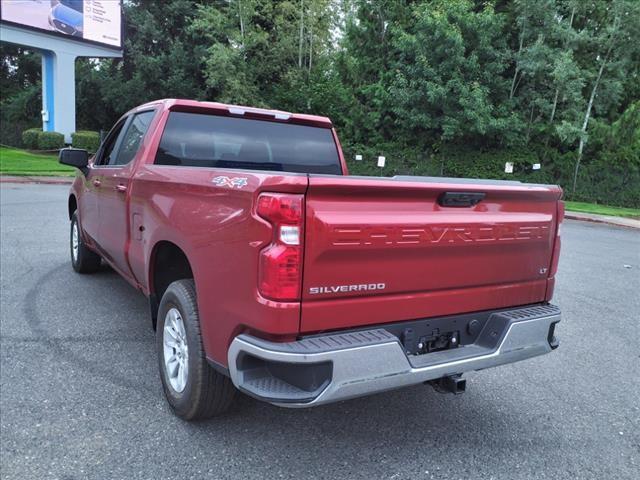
(280, 265)
(556, 243)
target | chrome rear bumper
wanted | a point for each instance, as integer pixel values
(325, 369)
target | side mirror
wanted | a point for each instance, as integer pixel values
(74, 157)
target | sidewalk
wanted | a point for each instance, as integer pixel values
(592, 217)
(36, 179)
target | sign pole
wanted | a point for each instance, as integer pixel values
(58, 72)
(59, 92)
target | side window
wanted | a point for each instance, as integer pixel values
(133, 138)
(109, 144)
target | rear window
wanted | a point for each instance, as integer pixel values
(200, 140)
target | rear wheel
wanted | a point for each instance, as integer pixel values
(192, 387)
(83, 260)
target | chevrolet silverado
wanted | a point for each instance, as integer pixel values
(269, 270)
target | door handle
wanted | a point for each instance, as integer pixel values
(96, 182)
(121, 188)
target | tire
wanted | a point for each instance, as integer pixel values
(83, 260)
(202, 392)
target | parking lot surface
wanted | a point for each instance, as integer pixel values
(80, 395)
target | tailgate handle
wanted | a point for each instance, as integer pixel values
(460, 199)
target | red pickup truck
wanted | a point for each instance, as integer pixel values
(271, 271)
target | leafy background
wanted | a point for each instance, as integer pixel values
(439, 87)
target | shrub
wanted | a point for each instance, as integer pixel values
(30, 138)
(609, 176)
(400, 160)
(50, 141)
(86, 139)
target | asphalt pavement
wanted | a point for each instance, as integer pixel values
(80, 395)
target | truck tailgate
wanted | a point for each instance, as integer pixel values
(382, 250)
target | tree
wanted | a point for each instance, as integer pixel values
(449, 82)
(20, 97)
(612, 32)
(365, 63)
(258, 50)
(544, 81)
(162, 59)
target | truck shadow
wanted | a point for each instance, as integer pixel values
(383, 429)
(81, 297)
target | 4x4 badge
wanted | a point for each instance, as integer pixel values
(235, 182)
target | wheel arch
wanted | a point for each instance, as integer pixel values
(72, 204)
(168, 263)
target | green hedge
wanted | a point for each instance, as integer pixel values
(36, 139)
(30, 138)
(607, 181)
(86, 139)
(610, 178)
(50, 141)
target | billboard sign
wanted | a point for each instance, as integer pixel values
(94, 21)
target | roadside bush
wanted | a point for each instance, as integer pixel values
(610, 170)
(86, 139)
(50, 141)
(474, 163)
(448, 161)
(609, 181)
(30, 138)
(399, 160)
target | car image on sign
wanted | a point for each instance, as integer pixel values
(66, 17)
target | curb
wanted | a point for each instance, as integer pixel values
(615, 221)
(36, 179)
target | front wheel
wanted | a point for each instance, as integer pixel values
(193, 388)
(83, 260)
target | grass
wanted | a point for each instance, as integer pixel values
(14, 161)
(602, 209)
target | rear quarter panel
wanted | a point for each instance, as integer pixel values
(218, 230)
